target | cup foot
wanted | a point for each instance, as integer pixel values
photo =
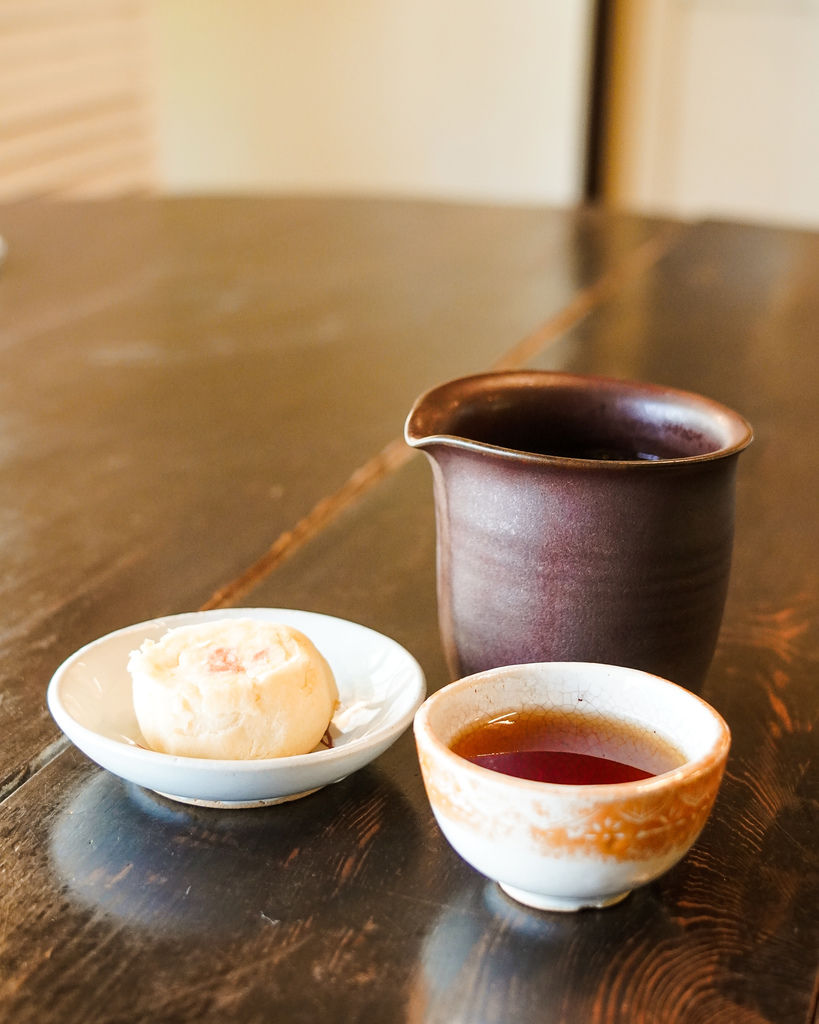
(563, 904)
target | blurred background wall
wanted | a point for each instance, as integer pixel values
(457, 98)
(689, 107)
(713, 108)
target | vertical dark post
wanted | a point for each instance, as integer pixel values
(598, 101)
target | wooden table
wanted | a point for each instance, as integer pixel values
(201, 403)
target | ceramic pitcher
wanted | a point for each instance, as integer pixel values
(580, 519)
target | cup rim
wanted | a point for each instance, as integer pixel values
(689, 770)
(474, 383)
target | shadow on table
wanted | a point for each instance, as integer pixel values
(162, 865)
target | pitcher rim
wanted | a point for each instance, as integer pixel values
(738, 422)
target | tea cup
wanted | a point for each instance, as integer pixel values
(558, 846)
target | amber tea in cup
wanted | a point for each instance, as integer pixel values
(543, 745)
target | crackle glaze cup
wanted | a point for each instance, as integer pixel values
(580, 519)
(565, 847)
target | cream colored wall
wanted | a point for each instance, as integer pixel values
(450, 98)
(716, 109)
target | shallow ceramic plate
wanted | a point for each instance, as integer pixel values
(380, 687)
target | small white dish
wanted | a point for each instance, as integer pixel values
(380, 688)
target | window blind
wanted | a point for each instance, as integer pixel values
(76, 100)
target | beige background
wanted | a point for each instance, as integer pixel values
(714, 103)
(452, 98)
(716, 109)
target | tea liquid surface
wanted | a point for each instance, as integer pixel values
(565, 748)
(595, 452)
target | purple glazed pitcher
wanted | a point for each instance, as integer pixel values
(580, 519)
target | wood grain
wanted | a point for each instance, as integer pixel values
(183, 381)
(736, 309)
(118, 906)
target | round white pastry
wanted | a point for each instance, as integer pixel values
(233, 689)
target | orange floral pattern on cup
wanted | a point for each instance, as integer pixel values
(644, 823)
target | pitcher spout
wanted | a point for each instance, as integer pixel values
(432, 420)
(461, 413)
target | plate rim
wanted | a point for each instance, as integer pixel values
(240, 766)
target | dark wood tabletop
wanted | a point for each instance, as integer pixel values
(201, 406)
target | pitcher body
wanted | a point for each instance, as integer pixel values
(580, 519)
